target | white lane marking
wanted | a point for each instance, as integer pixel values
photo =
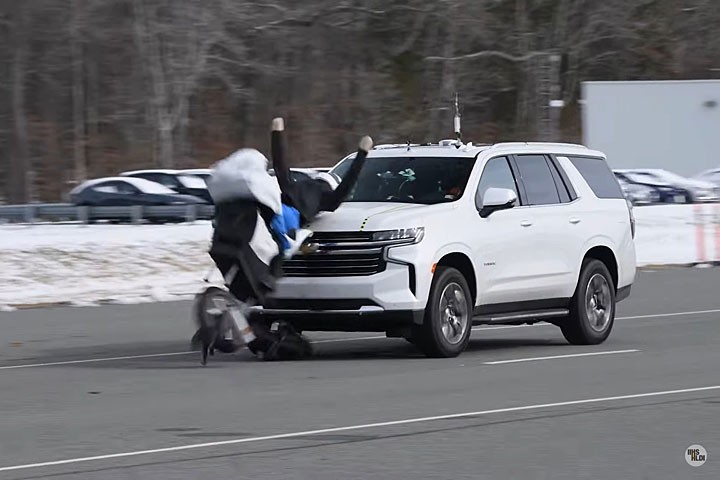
(340, 340)
(91, 360)
(541, 324)
(677, 314)
(351, 339)
(366, 426)
(171, 354)
(552, 357)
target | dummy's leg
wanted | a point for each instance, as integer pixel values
(256, 336)
(240, 327)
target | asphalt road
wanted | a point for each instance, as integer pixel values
(117, 383)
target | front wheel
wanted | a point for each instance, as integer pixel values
(447, 325)
(592, 308)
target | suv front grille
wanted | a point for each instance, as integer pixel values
(340, 254)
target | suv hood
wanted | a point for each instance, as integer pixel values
(354, 216)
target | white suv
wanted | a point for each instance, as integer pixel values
(436, 238)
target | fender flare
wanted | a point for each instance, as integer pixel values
(594, 242)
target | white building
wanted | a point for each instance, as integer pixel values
(673, 125)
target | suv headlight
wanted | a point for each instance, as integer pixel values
(411, 235)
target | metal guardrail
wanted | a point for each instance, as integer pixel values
(33, 213)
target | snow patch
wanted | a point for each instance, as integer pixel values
(677, 234)
(94, 264)
(127, 264)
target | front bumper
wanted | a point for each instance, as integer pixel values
(378, 302)
(363, 320)
(391, 289)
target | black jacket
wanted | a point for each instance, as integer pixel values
(310, 197)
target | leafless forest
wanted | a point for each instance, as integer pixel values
(90, 87)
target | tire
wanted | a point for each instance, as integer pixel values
(595, 292)
(446, 334)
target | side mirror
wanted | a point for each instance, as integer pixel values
(497, 199)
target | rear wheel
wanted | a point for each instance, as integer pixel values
(592, 308)
(447, 325)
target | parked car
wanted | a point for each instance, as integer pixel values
(639, 194)
(176, 181)
(300, 174)
(295, 173)
(127, 191)
(436, 238)
(711, 176)
(123, 191)
(700, 191)
(667, 193)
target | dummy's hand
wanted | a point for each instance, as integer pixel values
(366, 144)
(298, 243)
(278, 124)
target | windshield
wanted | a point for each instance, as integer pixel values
(424, 180)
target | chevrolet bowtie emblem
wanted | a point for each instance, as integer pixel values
(306, 248)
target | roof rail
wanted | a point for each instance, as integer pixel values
(394, 145)
(539, 144)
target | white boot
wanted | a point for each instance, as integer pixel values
(241, 325)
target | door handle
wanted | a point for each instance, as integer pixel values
(574, 220)
(526, 223)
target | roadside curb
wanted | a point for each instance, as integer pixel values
(678, 265)
(96, 303)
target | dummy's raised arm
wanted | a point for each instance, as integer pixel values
(278, 150)
(332, 200)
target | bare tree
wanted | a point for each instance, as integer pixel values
(173, 41)
(20, 186)
(91, 87)
(78, 92)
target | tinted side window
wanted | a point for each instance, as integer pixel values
(160, 178)
(598, 175)
(538, 180)
(126, 188)
(168, 180)
(497, 174)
